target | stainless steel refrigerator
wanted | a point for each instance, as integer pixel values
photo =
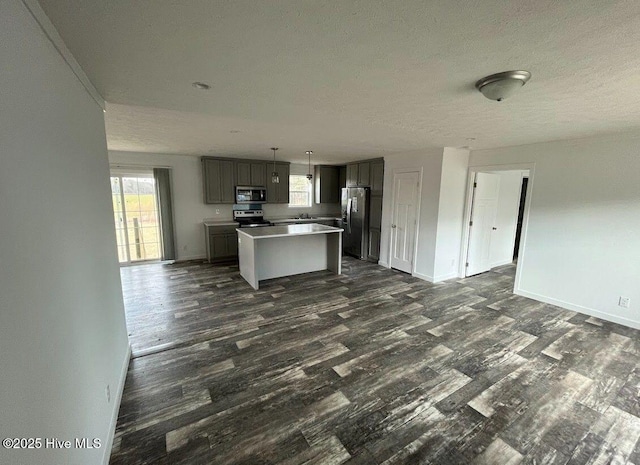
(355, 219)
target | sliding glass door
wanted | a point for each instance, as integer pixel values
(137, 222)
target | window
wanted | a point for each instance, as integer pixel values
(299, 191)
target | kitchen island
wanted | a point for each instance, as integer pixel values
(276, 251)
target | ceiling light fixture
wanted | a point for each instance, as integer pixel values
(274, 174)
(501, 85)
(309, 175)
(201, 86)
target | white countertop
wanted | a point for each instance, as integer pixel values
(220, 223)
(304, 220)
(288, 230)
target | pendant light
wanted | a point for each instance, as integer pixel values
(275, 179)
(309, 175)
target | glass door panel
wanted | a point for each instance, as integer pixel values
(136, 218)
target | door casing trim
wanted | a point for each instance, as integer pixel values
(464, 246)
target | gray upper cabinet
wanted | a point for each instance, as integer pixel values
(377, 176)
(211, 180)
(327, 184)
(283, 185)
(366, 174)
(218, 180)
(227, 181)
(251, 173)
(278, 193)
(352, 175)
(363, 174)
(258, 174)
(220, 177)
(243, 173)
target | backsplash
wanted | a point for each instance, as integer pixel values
(277, 211)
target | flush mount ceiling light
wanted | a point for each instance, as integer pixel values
(201, 86)
(501, 85)
(309, 175)
(274, 174)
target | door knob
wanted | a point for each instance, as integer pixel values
(393, 226)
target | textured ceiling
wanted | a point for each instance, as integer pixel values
(351, 79)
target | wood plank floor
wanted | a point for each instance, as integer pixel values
(371, 367)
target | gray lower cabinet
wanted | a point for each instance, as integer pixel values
(222, 244)
(278, 193)
(374, 245)
(218, 180)
(327, 222)
(375, 227)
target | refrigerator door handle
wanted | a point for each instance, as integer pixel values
(349, 215)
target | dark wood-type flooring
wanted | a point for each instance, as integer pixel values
(371, 367)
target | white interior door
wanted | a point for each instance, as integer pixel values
(483, 217)
(403, 228)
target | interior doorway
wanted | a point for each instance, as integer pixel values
(496, 218)
(405, 208)
(136, 216)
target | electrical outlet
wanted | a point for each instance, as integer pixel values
(624, 302)
(107, 391)
(217, 211)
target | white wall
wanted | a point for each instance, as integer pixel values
(453, 187)
(189, 207)
(62, 330)
(504, 237)
(582, 243)
(430, 162)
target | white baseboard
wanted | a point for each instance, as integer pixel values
(580, 309)
(444, 277)
(385, 264)
(424, 277)
(193, 257)
(501, 263)
(116, 408)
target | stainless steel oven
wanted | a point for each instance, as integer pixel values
(251, 194)
(250, 218)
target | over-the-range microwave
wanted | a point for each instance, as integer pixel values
(251, 194)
